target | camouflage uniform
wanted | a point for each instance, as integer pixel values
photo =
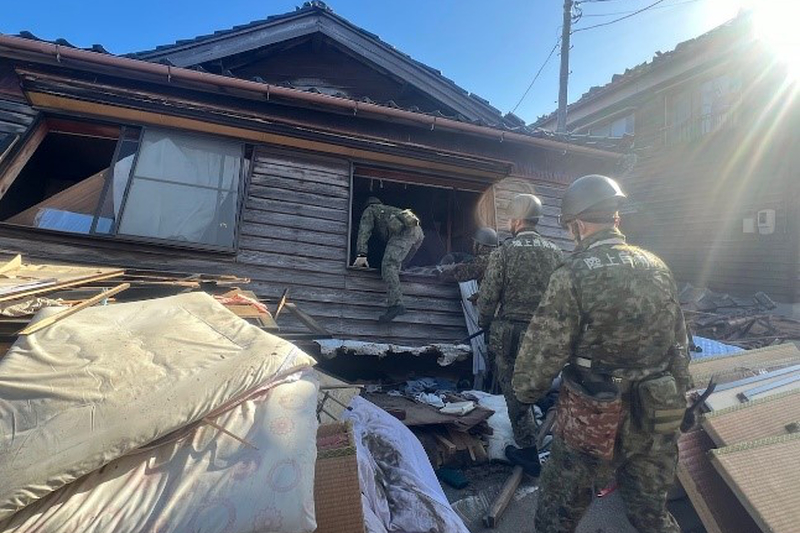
(402, 243)
(469, 270)
(615, 305)
(515, 281)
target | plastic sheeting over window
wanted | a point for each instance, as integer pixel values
(183, 188)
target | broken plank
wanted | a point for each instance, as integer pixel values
(49, 321)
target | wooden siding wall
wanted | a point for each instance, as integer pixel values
(691, 202)
(550, 195)
(293, 235)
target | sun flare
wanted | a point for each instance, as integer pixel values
(776, 25)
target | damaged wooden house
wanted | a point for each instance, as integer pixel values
(251, 151)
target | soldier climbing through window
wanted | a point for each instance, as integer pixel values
(400, 230)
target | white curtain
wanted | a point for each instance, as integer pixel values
(184, 188)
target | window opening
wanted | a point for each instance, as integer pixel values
(130, 182)
(447, 216)
(60, 185)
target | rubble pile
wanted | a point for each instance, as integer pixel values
(746, 323)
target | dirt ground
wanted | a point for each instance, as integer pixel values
(606, 515)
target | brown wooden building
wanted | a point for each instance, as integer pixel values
(715, 126)
(251, 151)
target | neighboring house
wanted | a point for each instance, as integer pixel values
(716, 185)
(252, 150)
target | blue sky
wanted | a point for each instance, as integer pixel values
(490, 47)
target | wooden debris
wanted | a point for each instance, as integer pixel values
(502, 501)
(228, 433)
(49, 321)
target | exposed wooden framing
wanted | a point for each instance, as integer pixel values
(428, 179)
(350, 217)
(449, 221)
(29, 146)
(134, 116)
(83, 128)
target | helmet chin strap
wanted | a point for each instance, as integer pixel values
(576, 232)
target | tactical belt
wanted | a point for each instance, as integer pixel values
(590, 367)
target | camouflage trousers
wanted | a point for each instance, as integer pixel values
(504, 339)
(645, 470)
(399, 248)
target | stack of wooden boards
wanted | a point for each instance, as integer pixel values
(448, 439)
(740, 467)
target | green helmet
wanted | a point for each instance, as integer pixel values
(372, 200)
(486, 237)
(525, 207)
(590, 194)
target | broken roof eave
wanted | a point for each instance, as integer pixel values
(165, 74)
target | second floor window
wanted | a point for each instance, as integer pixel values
(615, 128)
(702, 108)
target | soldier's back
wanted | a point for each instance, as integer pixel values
(629, 304)
(528, 260)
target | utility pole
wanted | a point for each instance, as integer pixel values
(561, 124)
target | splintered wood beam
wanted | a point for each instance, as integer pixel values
(307, 321)
(49, 321)
(31, 144)
(503, 499)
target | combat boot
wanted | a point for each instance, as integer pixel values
(391, 313)
(527, 458)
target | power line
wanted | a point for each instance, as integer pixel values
(634, 13)
(536, 77)
(594, 15)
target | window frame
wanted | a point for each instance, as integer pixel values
(699, 124)
(245, 175)
(609, 125)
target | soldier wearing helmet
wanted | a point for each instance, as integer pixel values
(483, 244)
(400, 229)
(515, 279)
(610, 319)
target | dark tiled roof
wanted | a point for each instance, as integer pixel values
(313, 6)
(63, 42)
(730, 30)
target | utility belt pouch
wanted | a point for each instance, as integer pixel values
(408, 218)
(660, 407)
(588, 417)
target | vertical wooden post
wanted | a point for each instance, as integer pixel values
(450, 216)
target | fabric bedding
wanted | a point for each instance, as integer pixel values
(105, 381)
(206, 481)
